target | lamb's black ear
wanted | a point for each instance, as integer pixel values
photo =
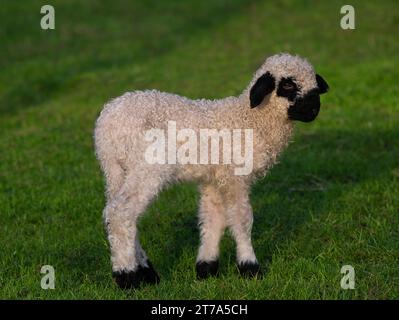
(322, 84)
(262, 87)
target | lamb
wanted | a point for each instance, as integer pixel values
(284, 89)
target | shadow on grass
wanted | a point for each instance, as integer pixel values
(312, 175)
(135, 33)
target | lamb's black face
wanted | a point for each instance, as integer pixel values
(305, 108)
(302, 107)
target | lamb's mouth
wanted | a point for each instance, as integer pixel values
(305, 109)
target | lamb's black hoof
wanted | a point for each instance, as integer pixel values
(207, 268)
(126, 279)
(249, 269)
(149, 274)
(133, 279)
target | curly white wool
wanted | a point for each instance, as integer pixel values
(131, 183)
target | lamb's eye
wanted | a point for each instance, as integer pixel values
(288, 86)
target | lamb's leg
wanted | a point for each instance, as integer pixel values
(130, 265)
(240, 218)
(212, 225)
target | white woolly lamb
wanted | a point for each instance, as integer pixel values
(284, 88)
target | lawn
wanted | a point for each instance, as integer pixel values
(332, 200)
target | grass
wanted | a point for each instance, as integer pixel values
(332, 200)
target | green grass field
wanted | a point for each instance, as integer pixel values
(332, 200)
